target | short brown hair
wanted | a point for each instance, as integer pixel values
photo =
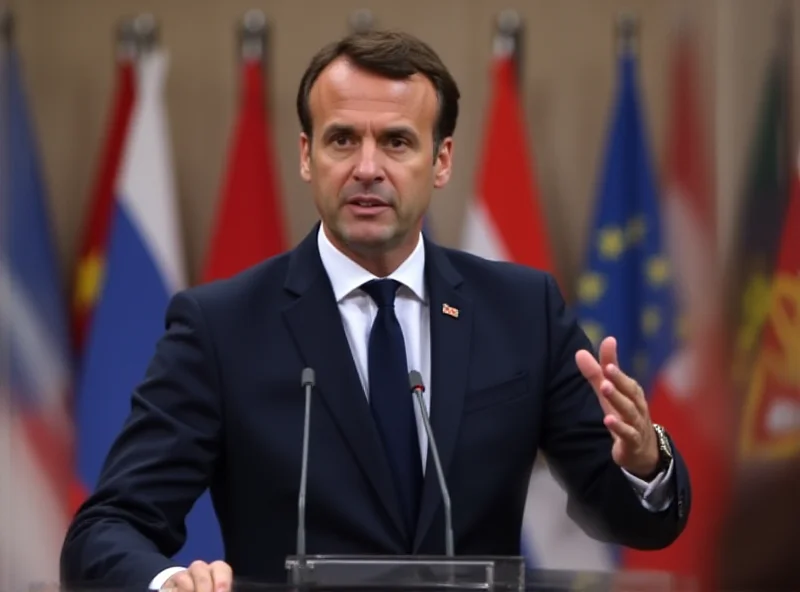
(392, 54)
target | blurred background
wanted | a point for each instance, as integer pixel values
(646, 152)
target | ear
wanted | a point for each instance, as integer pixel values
(443, 166)
(305, 157)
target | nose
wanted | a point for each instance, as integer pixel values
(368, 169)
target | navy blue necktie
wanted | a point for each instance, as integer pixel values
(391, 399)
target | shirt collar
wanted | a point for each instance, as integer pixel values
(346, 275)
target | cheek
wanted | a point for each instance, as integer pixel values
(410, 180)
(330, 176)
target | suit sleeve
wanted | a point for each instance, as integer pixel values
(578, 449)
(158, 466)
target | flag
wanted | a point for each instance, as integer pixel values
(91, 256)
(504, 222)
(690, 388)
(249, 224)
(765, 199)
(35, 373)
(145, 267)
(764, 361)
(771, 414)
(770, 437)
(625, 290)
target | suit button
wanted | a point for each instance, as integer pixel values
(680, 505)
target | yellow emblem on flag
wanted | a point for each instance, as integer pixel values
(591, 287)
(611, 242)
(658, 273)
(89, 280)
(771, 426)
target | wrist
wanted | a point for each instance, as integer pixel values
(649, 468)
(659, 455)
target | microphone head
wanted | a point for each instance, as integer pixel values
(415, 381)
(307, 377)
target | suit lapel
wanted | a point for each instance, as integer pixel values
(315, 323)
(451, 331)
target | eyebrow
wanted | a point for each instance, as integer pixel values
(397, 130)
(338, 128)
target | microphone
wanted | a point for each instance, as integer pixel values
(417, 388)
(307, 380)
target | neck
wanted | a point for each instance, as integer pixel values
(380, 261)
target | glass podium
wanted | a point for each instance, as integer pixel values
(492, 574)
(332, 573)
(407, 572)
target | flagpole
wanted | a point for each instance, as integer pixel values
(6, 25)
(126, 40)
(509, 35)
(361, 20)
(252, 35)
(627, 33)
(147, 32)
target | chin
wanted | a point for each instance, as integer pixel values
(370, 236)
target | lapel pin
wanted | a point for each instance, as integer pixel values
(449, 310)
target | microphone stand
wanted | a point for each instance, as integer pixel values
(417, 388)
(307, 379)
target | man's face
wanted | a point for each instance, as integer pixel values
(370, 162)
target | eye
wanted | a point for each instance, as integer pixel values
(397, 142)
(340, 139)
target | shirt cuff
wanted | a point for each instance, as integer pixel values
(158, 582)
(657, 494)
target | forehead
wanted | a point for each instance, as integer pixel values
(346, 93)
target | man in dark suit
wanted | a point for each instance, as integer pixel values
(363, 300)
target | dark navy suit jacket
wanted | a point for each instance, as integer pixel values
(221, 407)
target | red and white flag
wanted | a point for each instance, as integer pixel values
(504, 222)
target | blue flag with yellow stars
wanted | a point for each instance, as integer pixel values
(625, 290)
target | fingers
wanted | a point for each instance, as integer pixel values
(222, 575)
(618, 393)
(624, 406)
(593, 373)
(608, 352)
(202, 577)
(590, 368)
(627, 386)
(179, 582)
(622, 430)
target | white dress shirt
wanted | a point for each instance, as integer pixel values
(358, 311)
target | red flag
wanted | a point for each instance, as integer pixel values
(91, 257)
(249, 224)
(691, 389)
(504, 221)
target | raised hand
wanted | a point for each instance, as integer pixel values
(627, 416)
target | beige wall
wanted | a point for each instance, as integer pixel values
(568, 83)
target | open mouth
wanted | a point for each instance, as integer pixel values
(367, 206)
